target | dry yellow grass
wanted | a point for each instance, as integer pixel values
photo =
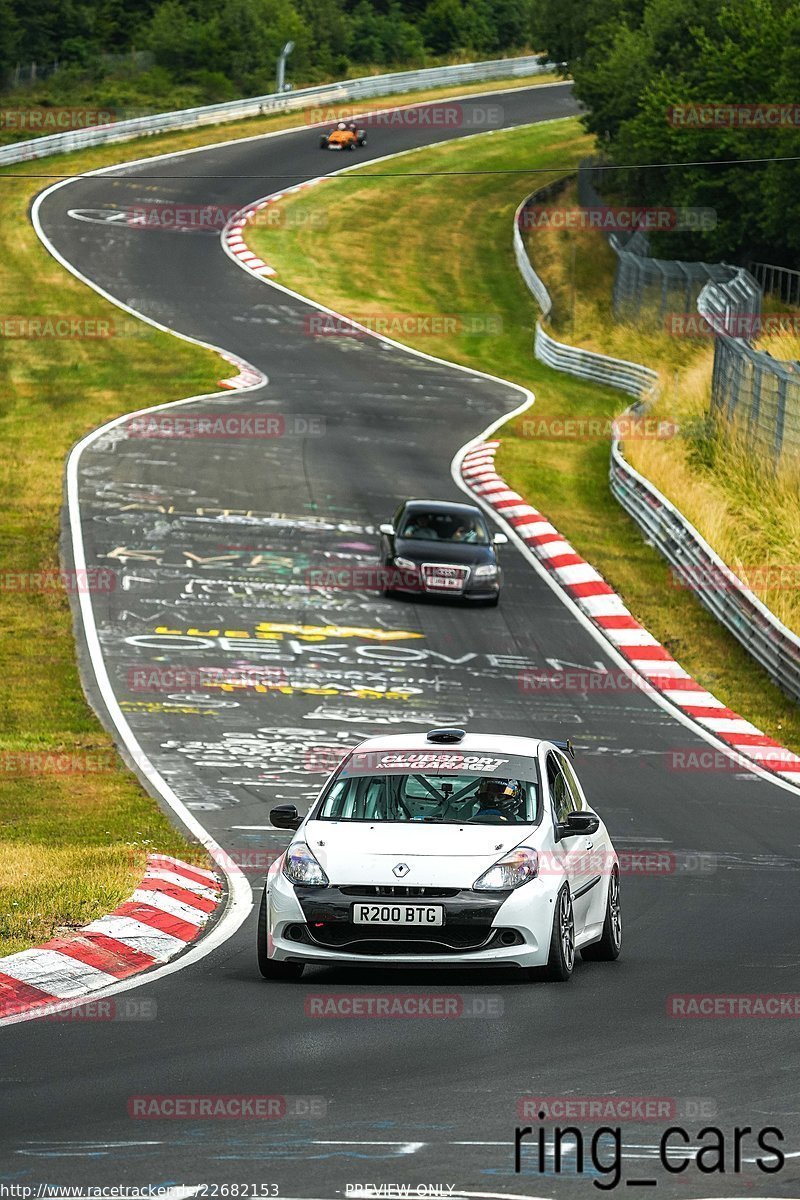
(783, 344)
(748, 515)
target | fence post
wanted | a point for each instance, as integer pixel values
(780, 417)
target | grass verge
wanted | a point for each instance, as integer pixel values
(750, 516)
(463, 225)
(72, 842)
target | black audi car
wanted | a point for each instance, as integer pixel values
(442, 549)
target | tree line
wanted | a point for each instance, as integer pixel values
(672, 83)
(228, 49)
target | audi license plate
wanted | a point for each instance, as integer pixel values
(452, 583)
(398, 914)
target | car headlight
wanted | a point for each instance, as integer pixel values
(405, 564)
(301, 866)
(487, 572)
(518, 867)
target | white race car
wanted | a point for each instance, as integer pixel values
(444, 849)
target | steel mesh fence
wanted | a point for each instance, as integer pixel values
(751, 391)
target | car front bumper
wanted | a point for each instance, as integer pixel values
(313, 925)
(479, 588)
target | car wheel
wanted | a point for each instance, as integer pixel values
(493, 602)
(362, 141)
(561, 960)
(323, 143)
(610, 944)
(351, 145)
(266, 965)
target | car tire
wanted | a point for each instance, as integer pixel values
(351, 145)
(362, 141)
(493, 602)
(610, 944)
(561, 960)
(269, 968)
(323, 143)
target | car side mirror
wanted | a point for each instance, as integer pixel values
(285, 816)
(388, 530)
(578, 823)
(500, 539)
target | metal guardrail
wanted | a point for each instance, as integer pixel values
(234, 110)
(646, 287)
(695, 564)
(629, 377)
(757, 394)
(778, 281)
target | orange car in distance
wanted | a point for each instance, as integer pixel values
(346, 136)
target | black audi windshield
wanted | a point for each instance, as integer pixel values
(445, 527)
(447, 788)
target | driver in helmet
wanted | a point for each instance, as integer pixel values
(498, 799)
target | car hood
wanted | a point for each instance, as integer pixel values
(419, 550)
(436, 855)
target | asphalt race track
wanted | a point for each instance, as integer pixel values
(218, 537)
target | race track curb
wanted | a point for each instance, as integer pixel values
(233, 233)
(653, 667)
(166, 912)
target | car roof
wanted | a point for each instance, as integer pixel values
(523, 746)
(442, 506)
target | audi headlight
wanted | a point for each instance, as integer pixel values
(518, 867)
(487, 572)
(405, 564)
(301, 866)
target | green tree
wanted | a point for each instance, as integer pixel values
(9, 37)
(638, 80)
(442, 24)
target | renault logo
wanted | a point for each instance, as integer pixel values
(401, 870)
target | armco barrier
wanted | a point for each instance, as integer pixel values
(629, 377)
(234, 110)
(699, 567)
(696, 565)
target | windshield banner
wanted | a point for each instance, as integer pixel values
(439, 762)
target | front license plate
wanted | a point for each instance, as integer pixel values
(443, 581)
(398, 914)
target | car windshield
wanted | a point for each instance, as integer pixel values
(445, 527)
(459, 790)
